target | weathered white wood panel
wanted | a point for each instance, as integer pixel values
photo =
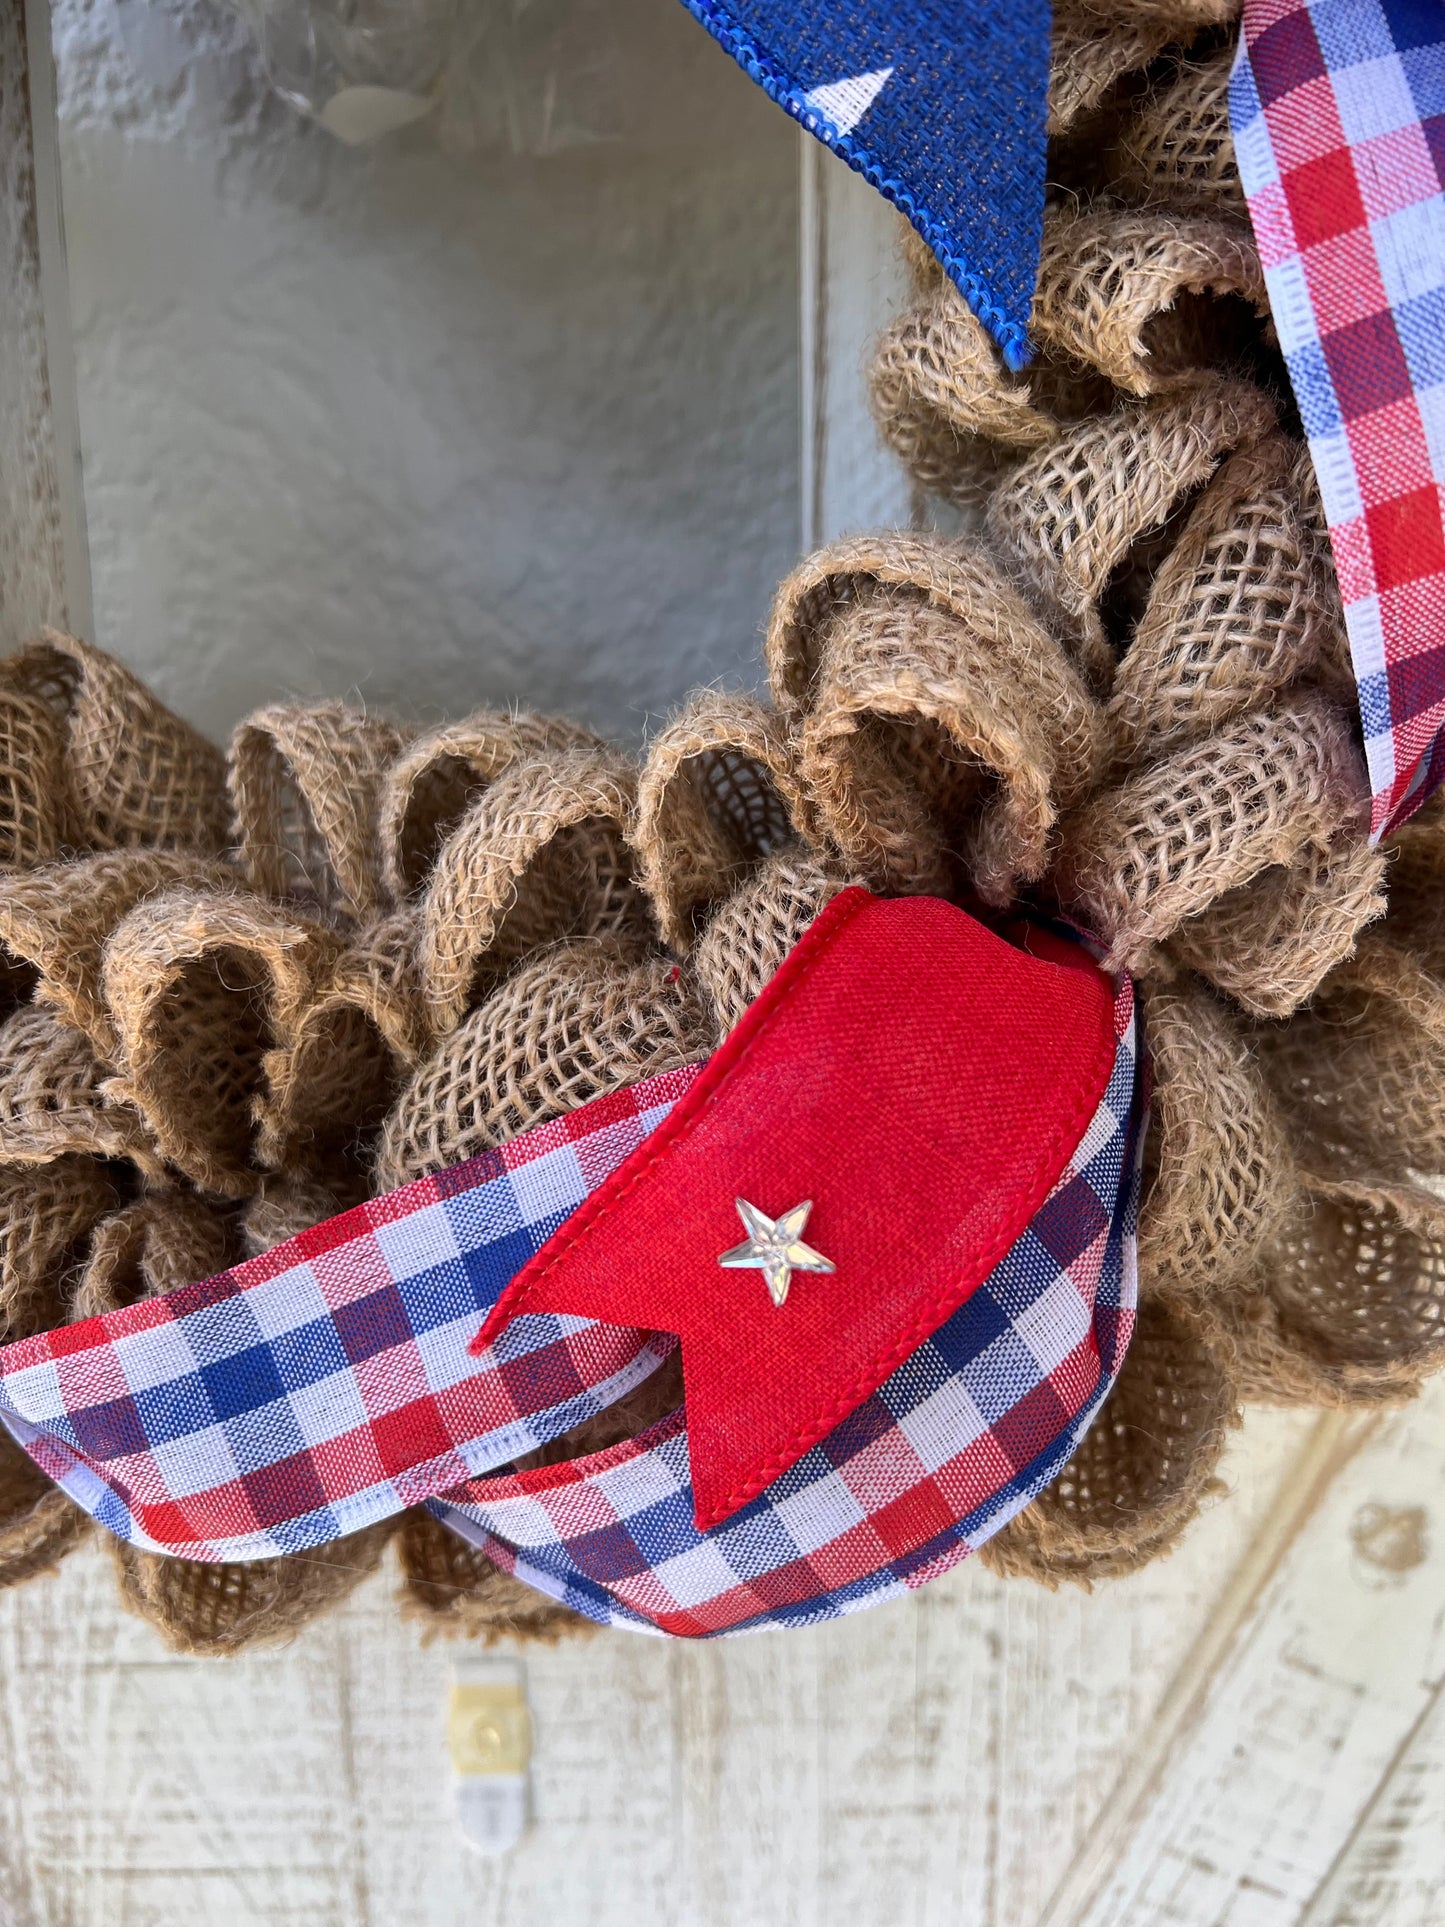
(966, 1756)
(1391, 1867)
(1290, 1740)
(935, 1762)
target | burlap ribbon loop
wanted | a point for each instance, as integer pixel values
(541, 856)
(1092, 54)
(378, 973)
(285, 1204)
(55, 922)
(1137, 862)
(1135, 294)
(1099, 43)
(137, 776)
(1271, 943)
(748, 936)
(440, 775)
(1359, 1072)
(1239, 610)
(1416, 856)
(165, 1239)
(581, 1020)
(53, 1100)
(942, 729)
(47, 1213)
(332, 1084)
(1072, 515)
(1220, 1174)
(944, 401)
(38, 1524)
(719, 791)
(200, 987)
(1176, 147)
(37, 812)
(928, 762)
(1348, 1307)
(205, 1609)
(305, 791)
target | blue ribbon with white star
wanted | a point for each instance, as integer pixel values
(942, 107)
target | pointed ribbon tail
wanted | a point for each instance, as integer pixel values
(942, 109)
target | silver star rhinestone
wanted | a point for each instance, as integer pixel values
(775, 1247)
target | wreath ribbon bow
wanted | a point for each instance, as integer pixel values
(963, 1112)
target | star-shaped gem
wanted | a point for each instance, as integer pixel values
(775, 1246)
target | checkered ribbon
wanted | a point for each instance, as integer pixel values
(1338, 109)
(976, 1422)
(327, 1384)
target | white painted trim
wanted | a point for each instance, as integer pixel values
(812, 284)
(852, 280)
(55, 303)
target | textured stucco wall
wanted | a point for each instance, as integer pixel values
(440, 431)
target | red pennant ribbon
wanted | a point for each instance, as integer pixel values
(923, 1082)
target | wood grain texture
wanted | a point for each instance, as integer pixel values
(1272, 1786)
(1391, 1866)
(939, 1761)
(966, 1756)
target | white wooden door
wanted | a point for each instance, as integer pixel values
(1248, 1733)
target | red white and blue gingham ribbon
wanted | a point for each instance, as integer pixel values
(948, 1449)
(327, 1384)
(1338, 110)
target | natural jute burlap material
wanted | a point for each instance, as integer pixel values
(243, 993)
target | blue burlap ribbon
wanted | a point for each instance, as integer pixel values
(941, 107)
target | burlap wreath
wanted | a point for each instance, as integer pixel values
(244, 992)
